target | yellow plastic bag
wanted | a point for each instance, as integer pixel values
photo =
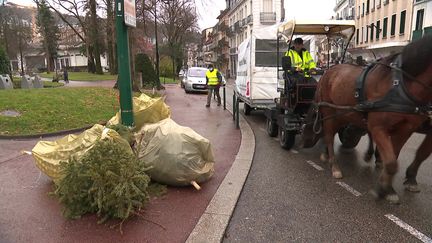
(145, 110)
(48, 154)
(175, 155)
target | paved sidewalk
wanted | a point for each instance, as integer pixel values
(29, 214)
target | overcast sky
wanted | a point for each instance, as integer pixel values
(300, 9)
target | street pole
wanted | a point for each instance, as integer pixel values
(124, 77)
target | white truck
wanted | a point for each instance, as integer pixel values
(256, 82)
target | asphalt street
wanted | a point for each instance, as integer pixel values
(290, 196)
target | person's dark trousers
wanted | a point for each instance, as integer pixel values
(211, 89)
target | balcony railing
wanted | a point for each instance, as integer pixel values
(268, 17)
(237, 26)
(250, 19)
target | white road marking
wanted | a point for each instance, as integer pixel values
(349, 188)
(314, 165)
(294, 151)
(419, 235)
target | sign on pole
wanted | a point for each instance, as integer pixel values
(129, 13)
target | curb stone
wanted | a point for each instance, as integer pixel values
(51, 134)
(214, 221)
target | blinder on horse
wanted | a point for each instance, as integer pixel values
(397, 99)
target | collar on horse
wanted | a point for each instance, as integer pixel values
(398, 99)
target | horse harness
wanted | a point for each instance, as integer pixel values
(398, 99)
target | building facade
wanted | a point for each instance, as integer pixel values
(383, 27)
(246, 15)
(422, 19)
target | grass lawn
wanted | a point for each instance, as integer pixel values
(168, 80)
(82, 76)
(49, 110)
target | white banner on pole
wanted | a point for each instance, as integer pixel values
(129, 13)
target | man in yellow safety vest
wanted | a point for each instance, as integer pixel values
(213, 82)
(301, 59)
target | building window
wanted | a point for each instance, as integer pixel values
(385, 20)
(363, 9)
(378, 28)
(393, 25)
(419, 19)
(372, 32)
(367, 34)
(358, 13)
(357, 37)
(362, 35)
(402, 22)
(267, 6)
(367, 6)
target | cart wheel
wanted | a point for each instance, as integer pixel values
(272, 128)
(348, 141)
(247, 109)
(286, 138)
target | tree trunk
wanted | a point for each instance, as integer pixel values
(158, 84)
(21, 54)
(110, 24)
(90, 60)
(94, 36)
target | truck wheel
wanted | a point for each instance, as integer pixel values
(349, 141)
(247, 109)
(272, 127)
(286, 138)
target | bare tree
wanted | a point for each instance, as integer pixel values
(178, 18)
(84, 13)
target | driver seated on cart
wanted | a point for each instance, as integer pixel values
(302, 63)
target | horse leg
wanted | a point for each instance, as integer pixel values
(422, 154)
(324, 157)
(378, 160)
(370, 151)
(329, 133)
(385, 146)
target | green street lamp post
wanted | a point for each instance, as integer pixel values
(124, 78)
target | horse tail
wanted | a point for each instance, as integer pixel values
(312, 130)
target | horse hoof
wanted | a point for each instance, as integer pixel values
(392, 198)
(324, 157)
(337, 174)
(411, 186)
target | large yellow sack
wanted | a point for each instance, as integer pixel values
(145, 110)
(176, 155)
(48, 154)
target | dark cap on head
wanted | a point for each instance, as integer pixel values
(298, 41)
(210, 66)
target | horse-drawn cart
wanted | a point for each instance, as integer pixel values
(297, 89)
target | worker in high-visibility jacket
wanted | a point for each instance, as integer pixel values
(213, 82)
(301, 59)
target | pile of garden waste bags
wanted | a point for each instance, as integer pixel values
(106, 170)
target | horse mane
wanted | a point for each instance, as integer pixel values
(417, 56)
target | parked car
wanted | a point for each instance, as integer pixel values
(195, 79)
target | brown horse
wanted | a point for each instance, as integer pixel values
(390, 129)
